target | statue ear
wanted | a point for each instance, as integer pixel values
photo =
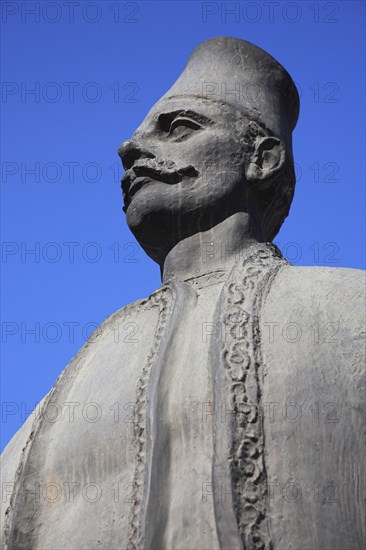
(267, 159)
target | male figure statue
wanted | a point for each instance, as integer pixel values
(232, 418)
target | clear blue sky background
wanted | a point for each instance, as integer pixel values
(121, 57)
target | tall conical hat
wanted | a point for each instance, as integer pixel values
(241, 74)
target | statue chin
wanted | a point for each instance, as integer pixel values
(152, 225)
(144, 205)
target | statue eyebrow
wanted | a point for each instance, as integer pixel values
(165, 119)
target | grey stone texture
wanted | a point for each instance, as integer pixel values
(232, 415)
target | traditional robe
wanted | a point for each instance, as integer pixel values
(224, 411)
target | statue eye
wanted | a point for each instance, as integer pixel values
(178, 126)
(187, 122)
(182, 128)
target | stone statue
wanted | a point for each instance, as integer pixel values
(231, 416)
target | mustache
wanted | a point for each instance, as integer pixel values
(166, 172)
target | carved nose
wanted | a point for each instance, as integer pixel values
(130, 152)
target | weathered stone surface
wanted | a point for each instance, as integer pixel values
(231, 416)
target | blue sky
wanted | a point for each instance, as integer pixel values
(77, 79)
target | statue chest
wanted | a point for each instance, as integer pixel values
(197, 408)
(130, 416)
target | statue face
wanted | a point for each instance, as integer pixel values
(185, 171)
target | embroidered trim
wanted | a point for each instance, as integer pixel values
(17, 478)
(242, 360)
(208, 279)
(160, 300)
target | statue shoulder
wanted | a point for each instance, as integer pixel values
(130, 312)
(331, 287)
(125, 317)
(333, 275)
(329, 301)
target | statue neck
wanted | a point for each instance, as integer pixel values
(219, 248)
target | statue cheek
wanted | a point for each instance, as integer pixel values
(204, 144)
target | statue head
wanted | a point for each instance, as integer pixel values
(218, 142)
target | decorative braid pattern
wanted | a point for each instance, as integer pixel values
(158, 299)
(242, 361)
